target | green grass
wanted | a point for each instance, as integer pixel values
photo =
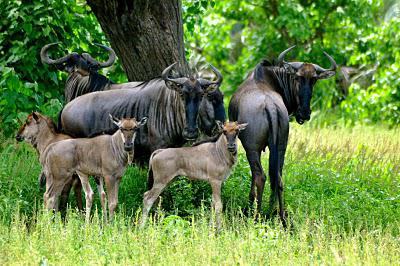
(342, 192)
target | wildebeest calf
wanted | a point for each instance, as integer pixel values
(211, 161)
(40, 132)
(105, 156)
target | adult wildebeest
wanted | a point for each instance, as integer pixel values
(175, 107)
(105, 156)
(210, 161)
(266, 98)
(83, 77)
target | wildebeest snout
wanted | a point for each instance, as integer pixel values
(231, 147)
(19, 138)
(190, 134)
(302, 116)
(128, 146)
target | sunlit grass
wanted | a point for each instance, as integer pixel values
(174, 241)
(342, 191)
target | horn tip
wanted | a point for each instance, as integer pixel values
(99, 44)
(51, 44)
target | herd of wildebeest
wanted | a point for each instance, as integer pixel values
(104, 127)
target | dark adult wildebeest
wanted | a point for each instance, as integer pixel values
(265, 100)
(174, 107)
(83, 77)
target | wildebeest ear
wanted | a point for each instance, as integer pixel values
(219, 124)
(114, 120)
(35, 116)
(142, 122)
(289, 69)
(326, 74)
(211, 88)
(242, 126)
(173, 86)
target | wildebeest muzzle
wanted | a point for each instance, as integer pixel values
(190, 134)
(302, 116)
(128, 147)
(19, 138)
(232, 148)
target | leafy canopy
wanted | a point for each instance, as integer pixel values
(231, 34)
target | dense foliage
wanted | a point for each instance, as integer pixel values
(381, 100)
(233, 35)
(25, 27)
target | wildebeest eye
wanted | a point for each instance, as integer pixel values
(178, 86)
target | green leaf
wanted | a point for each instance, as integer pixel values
(27, 28)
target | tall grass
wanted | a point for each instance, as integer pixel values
(342, 192)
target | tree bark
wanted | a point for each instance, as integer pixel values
(147, 35)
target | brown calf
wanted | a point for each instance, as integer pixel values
(211, 161)
(105, 156)
(39, 131)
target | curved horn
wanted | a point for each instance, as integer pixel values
(333, 64)
(44, 56)
(218, 74)
(166, 73)
(109, 62)
(205, 82)
(281, 57)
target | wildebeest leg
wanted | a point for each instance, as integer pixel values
(258, 177)
(150, 196)
(115, 197)
(76, 184)
(52, 194)
(47, 201)
(88, 193)
(112, 184)
(64, 197)
(282, 144)
(276, 182)
(102, 194)
(216, 201)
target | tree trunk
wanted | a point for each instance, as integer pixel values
(147, 35)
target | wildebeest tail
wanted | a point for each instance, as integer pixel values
(42, 180)
(59, 125)
(150, 179)
(274, 164)
(150, 176)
